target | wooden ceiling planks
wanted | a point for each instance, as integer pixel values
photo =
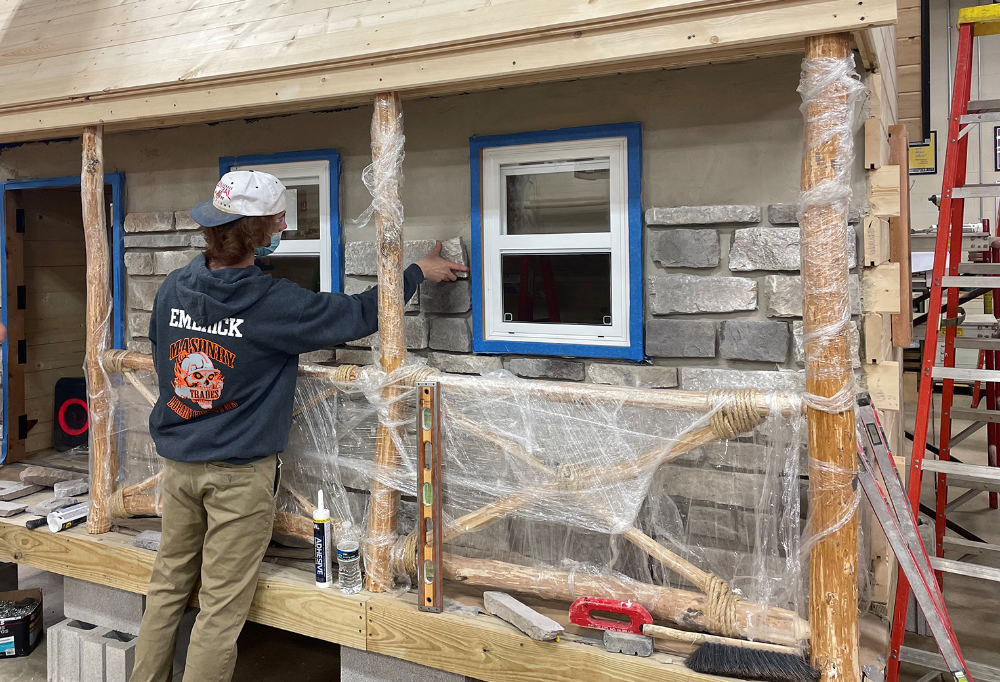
(135, 74)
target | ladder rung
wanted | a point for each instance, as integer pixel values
(933, 660)
(967, 545)
(975, 415)
(970, 282)
(970, 242)
(963, 568)
(975, 191)
(981, 344)
(979, 268)
(971, 476)
(963, 374)
(982, 106)
(984, 117)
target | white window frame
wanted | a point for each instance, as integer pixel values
(554, 157)
(297, 173)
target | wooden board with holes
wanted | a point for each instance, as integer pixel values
(151, 64)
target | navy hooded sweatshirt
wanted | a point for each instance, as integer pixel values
(226, 347)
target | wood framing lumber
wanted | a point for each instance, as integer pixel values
(833, 587)
(899, 238)
(383, 506)
(876, 144)
(880, 289)
(884, 380)
(884, 198)
(878, 337)
(103, 456)
(876, 240)
(324, 57)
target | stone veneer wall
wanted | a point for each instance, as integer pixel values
(721, 286)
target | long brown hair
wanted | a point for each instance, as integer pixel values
(233, 242)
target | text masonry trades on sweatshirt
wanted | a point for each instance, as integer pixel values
(226, 347)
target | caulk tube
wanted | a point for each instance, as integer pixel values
(67, 517)
(321, 535)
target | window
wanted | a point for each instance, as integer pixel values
(311, 249)
(557, 242)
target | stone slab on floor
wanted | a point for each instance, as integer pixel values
(368, 666)
(102, 605)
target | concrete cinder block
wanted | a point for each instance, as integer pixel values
(524, 618)
(680, 338)
(628, 643)
(547, 368)
(92, 655)
(368, 666)
(761, 340)
(446, 297)
(463, 364)
(119, 656)
(776, 248)
(104, 606)
(704, 215)
(636, 376)
(450, 333)
(64, 645)
(669, 294)
(149, 222)
(685, 248)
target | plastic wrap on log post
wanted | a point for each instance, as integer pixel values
(829, 88)
(103, 459)
(383, 506)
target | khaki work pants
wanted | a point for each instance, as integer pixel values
(217, 521)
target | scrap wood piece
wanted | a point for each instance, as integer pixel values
(522, 616)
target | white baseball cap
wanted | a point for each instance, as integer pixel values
(239, 194)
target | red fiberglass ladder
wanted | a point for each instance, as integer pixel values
(973, 22)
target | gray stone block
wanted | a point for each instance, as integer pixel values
(12, 490)
(368, 666)
(464, 364)
(77, 486)
(783, 294)
(184, 221)
(414, 333)
(138, 263)
(45, 507)
(158, 241)
(707, 378)
(92, 655)
(754, 340)
(149, 222)
(730, 488)
(635, 376)
(680, 338)
(451, 333)
(628, 643)
(670, 294)
(787, 214)
(138, 323)
(547, 368)
(360, 258)
(165, 262)
(102, 605)
(727, 525)
(775, 248)
(148, 539)
(524, 618)
(47, 476)
(119, 656)
(198, 241)
(142, 293)
(139, 345)
(685, 248)
(704, 215)
(350, 356)
(11, 508)
(353, 285)
(454, 250)
(798, 344)
(445, 297)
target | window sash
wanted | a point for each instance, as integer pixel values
(497, 163)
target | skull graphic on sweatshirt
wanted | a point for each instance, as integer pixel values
(197, 379)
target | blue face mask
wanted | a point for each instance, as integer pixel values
(263, 251)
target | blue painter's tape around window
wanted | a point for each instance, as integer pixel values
(331, 155)
(117, 182)
(633, 133)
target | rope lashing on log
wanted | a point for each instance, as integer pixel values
(736, 412)
(721, 608)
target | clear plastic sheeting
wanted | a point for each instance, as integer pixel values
(555, 490)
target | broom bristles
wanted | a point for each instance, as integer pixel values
(750, 664)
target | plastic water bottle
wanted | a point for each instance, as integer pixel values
(349, 562)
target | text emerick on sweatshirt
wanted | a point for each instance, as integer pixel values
(227, 327)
